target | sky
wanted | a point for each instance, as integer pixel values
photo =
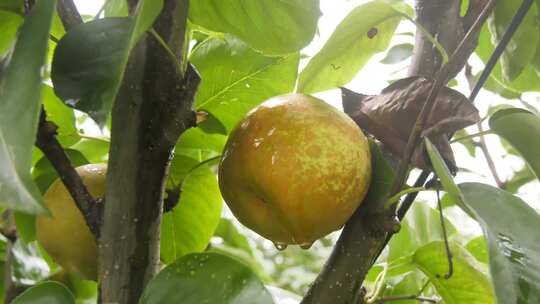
(373, 78)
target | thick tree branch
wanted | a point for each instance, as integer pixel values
(361, 242)
(152, 109)
(68, 14)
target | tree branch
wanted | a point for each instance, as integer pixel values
(46, 141)
(152, 109)
(361, 242)
(68, 14)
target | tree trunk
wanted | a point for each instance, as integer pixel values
(152, 109)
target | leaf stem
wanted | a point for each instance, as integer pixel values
(167, 49)
(395, 198)
(481, 133)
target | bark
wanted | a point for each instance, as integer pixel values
(152, 109)
(362, 238)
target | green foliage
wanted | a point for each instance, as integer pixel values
(365, 31)
(468, 284)
(524, 42)
(512, 239)
(20, 88)
(89, 61)
(237, 78)
(206, 278)
(522, 129)
(189, 226)
(245, 53)
(49, 292)
(272, 27)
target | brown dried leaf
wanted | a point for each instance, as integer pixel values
(391, 115)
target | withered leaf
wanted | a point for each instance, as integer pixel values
(391, 115)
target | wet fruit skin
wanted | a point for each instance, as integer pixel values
(295, 169)
(65, 236)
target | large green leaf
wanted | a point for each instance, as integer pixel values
(524, 42)
(95, 150)
(20, 90)
(62, 116)
(478, 248)
(9, 23)
(528, 80)
(190, 225)
(235, 78)
(206, 278)
(511, 228)
(367, 30)
(194, 143)
(522, 129)
(421, 225)
(89, 60)
(273, 27)
(47, 292)
(468, 284)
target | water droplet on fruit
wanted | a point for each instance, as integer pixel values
(280, 246)
(306, 245)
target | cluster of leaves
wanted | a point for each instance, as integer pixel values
(246, 52)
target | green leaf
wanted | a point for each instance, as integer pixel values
(407, 284)
(273, 27)
(26, 226)
(518, 179)
(421, 225)
(511, 229)
(190, 225)
(88, 65)
(94, 150)
(20, 90)
(398, 53)
(522, 129)
(524, 42)
(527, 81)
(89, 60)
(367, 30)
(206, 278)
(235, 78)
(9, 24)
(200, 145)
(116, 8)
(443, 173)
(231, 236)
(61, 115)
(478, 248)
(468, 284)
(46, 292)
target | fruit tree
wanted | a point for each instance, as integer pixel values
(262, 151)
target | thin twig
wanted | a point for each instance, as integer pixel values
(46, 141)
(445, 238)
(482, 141)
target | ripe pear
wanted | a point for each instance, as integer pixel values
(295, 169)
(65, 236)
